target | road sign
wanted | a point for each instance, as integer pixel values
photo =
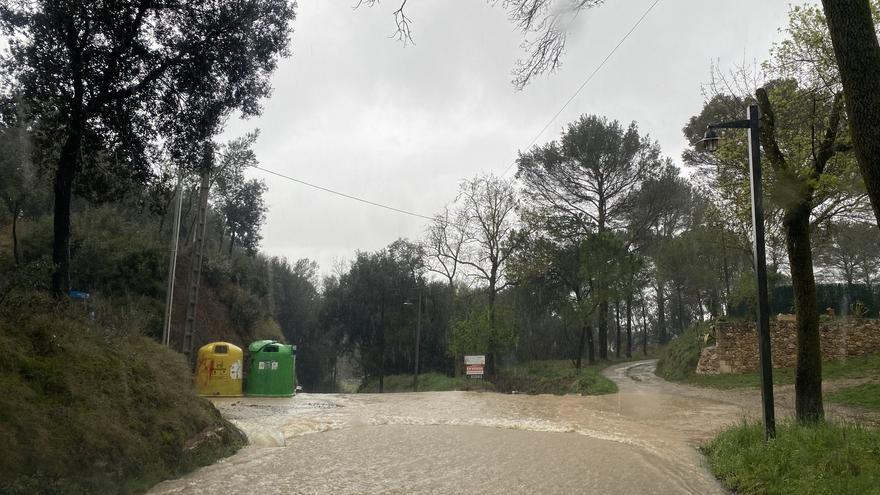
(474, 366)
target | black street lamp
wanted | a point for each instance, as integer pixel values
(710, 143)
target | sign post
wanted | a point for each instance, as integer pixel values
(474, 366)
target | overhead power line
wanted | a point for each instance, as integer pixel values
(512, 163)
(586, 81)
(342, 194)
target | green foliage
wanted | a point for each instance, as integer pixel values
(554, 377)
(97, 408)
(245, 212)
(245, 308)
(367, 311)
(20, 282)
(866, 395)
(473, 332)
(268, 329)
(679, 359)
(113, 254)
(848, 251)
(858, 309)
(833, 296)
(428, 382)
(823, 459)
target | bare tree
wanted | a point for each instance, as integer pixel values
(488, 206)
(544, 24)
(444, 242)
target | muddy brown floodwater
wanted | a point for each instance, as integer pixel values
(641, 440)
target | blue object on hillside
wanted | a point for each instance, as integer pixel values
(82, 296)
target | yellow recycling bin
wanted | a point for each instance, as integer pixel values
(219, 370)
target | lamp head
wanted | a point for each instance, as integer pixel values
(710, 140)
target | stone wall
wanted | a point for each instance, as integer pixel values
(736, 348)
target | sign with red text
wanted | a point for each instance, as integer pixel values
(474, 366)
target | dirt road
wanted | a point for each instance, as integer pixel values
(640, 440)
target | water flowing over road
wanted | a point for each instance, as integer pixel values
(640, 440)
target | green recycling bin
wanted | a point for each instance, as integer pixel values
(271, 371)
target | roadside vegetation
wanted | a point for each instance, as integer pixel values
(678, 360)
(857, 367)
(428, 382)
(93, 406)
(866, 395)
(678, 363)
(558, 377)
(551, 273)
(819, 459)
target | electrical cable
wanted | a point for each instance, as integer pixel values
(344, 195)
(534, 139)
(586, 81)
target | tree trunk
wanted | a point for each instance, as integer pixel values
(629, 317)
(603, 330)
(15, 234)
(644, 328)
(617, 336)
(380, 337)
(700, 306)
(808, 376)
(591, 348)
(661, 315)
(680, 303)
(580, 348)
(455, 359)
(64, 176)
(726, 275)
(858, 61)
(490, 355)
(183, 218)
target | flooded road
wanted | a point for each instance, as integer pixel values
(640, 440)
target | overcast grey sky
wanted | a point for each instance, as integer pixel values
(355, 110)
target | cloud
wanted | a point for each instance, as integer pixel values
(355, 110)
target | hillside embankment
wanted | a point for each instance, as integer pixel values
(89, 405)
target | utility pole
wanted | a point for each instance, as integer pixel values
(172, 265)
(420, 292)
(197, 254)
(418, 341)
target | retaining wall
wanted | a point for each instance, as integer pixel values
(736, 348)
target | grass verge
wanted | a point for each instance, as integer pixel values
(557, 377)
(90, 408)
(428, 382)
(858, 367)
(866, 395)
(823, 459)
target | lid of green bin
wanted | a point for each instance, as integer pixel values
(270, 346)
(259, 344)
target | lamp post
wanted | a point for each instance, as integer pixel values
(418, 340)
(710, 142)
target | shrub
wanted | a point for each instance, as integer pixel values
(679, 360)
